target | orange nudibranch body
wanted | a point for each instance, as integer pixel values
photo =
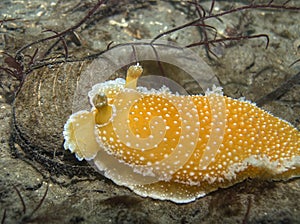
(179, 148)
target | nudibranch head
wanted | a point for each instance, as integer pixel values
(179, 148)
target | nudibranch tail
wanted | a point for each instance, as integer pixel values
(179, 148)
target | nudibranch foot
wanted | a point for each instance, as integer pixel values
(179, 148)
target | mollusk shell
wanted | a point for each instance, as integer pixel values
(179, 148)
(39, 113)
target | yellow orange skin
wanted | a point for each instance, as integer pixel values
(179, 148)
(249, 131)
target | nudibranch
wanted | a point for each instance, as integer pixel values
(173, 147)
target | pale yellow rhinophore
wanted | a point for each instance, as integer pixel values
(179, 148)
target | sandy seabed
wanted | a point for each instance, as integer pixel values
(244, 69)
